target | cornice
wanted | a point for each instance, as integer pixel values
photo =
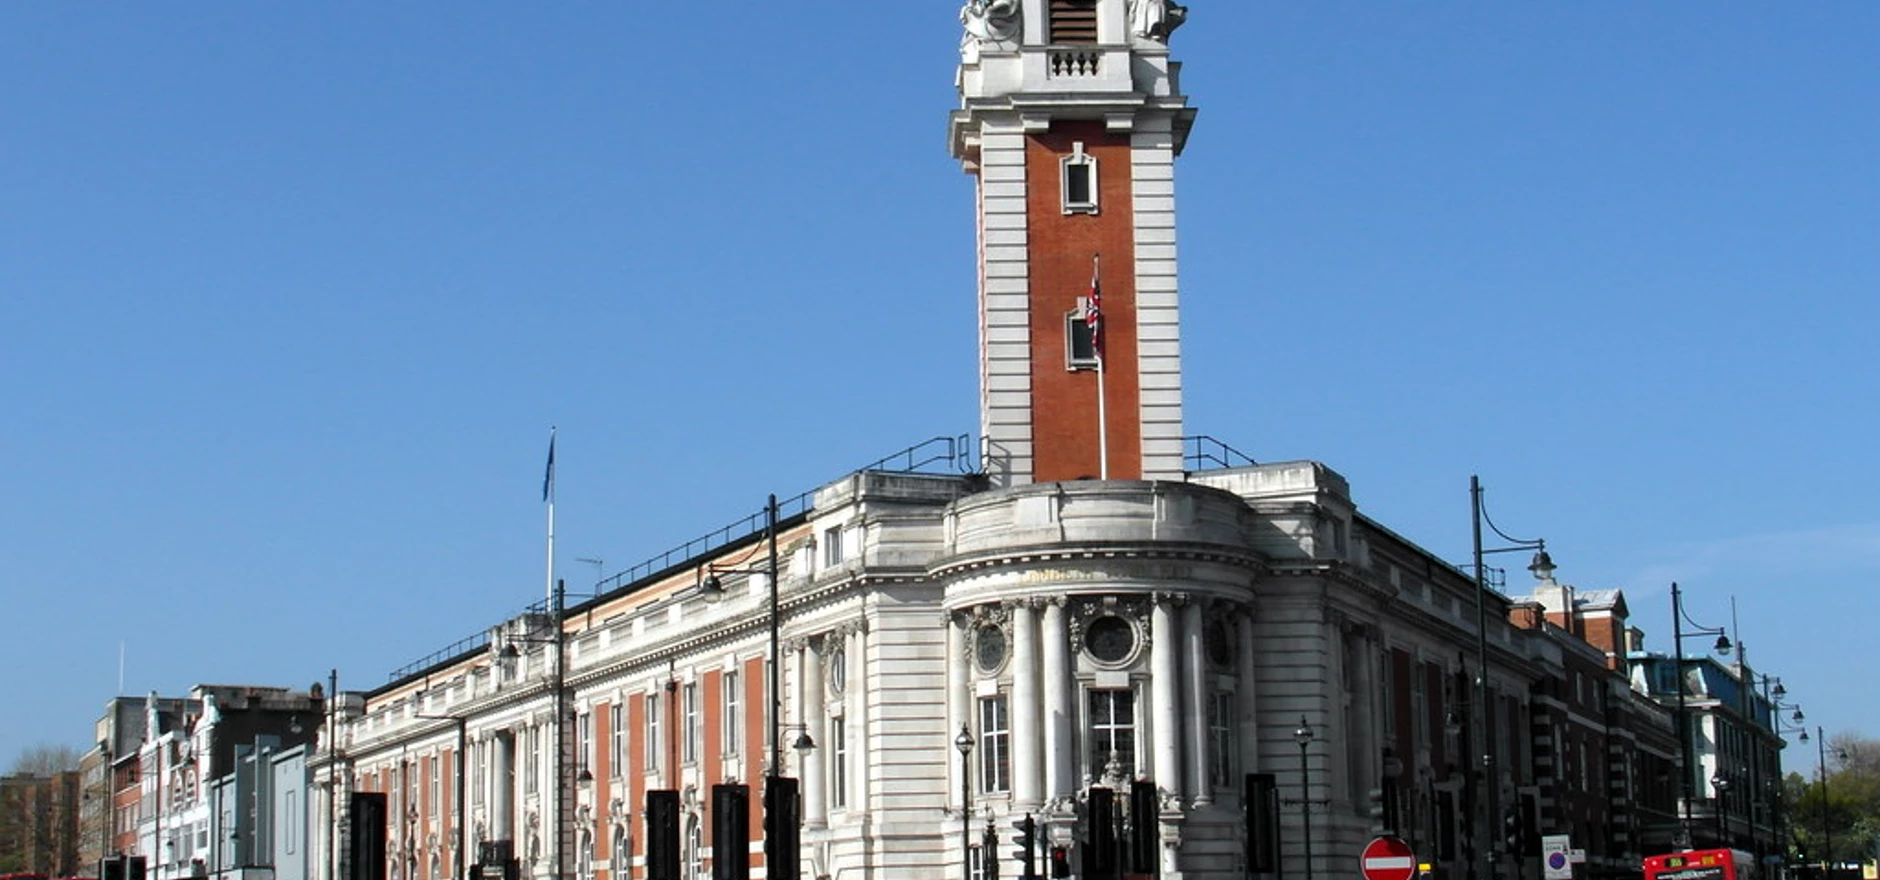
(1057, 553)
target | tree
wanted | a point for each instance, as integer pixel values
(1833, 809)
(39, 812)
(44, 760)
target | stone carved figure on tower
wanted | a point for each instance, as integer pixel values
(990, 21)
(1155, 19)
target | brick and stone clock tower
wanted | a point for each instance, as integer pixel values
(1071, 116)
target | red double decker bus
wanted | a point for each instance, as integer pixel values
(1702, 864)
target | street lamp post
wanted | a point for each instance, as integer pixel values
(1303, 736)
(558, 614)
(713, 590)
(462, 862)
(1543, 568)
(1827, 828)
(1721, 785)
(964, 742)
(1678, 635)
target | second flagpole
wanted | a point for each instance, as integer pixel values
(548, 495)
(1095, 319)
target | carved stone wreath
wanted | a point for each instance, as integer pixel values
(1132, 611)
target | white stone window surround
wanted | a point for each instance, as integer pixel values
(1079, 353)
(1101, 692)
(1077, 181)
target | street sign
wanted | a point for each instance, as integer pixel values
(1556, 856)
(1387, 858)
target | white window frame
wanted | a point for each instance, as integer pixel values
(1086, 165)
(1221, 750)
(839, 751)
(729, 722)
(995, 744)
(653, 745)
(1128, 728)
(832, 546)
(691, 735)
(1077, 327)
(616, 741)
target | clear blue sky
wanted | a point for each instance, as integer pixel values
(290, 295)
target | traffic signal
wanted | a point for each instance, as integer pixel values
(1060, 863)
(1513, 836)
(731, 832)
(989, 850)
(1027, 841)
(783, 820)
(1099, 859)
(1374, 807)
(1260, 798)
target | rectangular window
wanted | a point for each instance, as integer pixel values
(584, 742)
(291, 830)
(1080, 352)
(616, 741)
(729, 722)
(1077, 181)
(651, 758)
(1221, 739)
(832, 546)
(532, 761)
(1112, 733)
(839, 749)
(435, 797)
(478, 752)
(691, 733)
(995, 745)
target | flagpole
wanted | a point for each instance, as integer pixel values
(1103, 426)
(1096, 345)
(548, 495)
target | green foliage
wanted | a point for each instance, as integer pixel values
(1833, 813)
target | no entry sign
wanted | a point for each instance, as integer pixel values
(1387, 858)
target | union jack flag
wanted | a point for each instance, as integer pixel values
(1093, 317)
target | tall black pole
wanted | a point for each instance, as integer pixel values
(332, 775)
(1304, 736)
(1489, 784)
(776, 694)
(774, 851)
(965, 745)
(1827, 831)
(460, 820)
(561, 734)
(1684, 723)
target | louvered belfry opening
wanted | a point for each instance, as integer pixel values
(1074, 22)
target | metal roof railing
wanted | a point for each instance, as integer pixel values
(939, 454)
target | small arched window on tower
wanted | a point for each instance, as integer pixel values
(1077, 181)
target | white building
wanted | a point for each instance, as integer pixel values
(1091, 610)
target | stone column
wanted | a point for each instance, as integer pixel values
(1244, 696)
(1164, 696)
(815, 783)
(959, 689)
(855, 721)
(1195, 712)
(1027, 726)
(503, 788)
(1060, 780)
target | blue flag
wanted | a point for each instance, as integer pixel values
(548, 475)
